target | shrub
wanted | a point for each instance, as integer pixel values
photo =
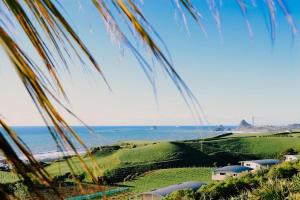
(20, 191)
(182, 195)
(61, 178)
(272, 190)
(261, 172)
(289, 151)
(218, 190)
(284, 170)
(294, 196)
(295, 185)
(230, 187)
(242, 196)
(103, 150)
(280, 182)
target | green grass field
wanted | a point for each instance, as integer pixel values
(164, 177)
(8, 177)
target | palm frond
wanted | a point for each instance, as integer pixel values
(38, 91)
(35, 171)
(3, 194)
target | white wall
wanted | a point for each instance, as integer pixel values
(251, 165)
(218, 177)
(291, 158)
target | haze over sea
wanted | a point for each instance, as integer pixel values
(41, 143)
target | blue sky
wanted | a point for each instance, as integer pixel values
(234, 77)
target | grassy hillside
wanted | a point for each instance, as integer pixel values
(261, 147)
(127, 158)
(164, 177)
(141, 154)
(128, 155)
(268, 146)
(141, 157)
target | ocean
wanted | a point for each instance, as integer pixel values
(40, 142)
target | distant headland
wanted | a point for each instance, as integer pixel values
(245, 126)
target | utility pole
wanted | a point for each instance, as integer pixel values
(253, 119)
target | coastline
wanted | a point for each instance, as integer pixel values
(44, 149)
(51, 156)
(48, 156)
